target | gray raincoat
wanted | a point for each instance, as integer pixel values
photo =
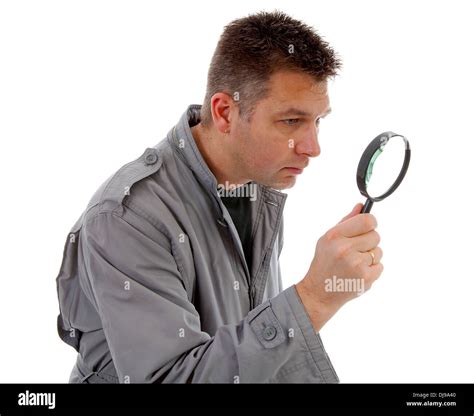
(154, 285)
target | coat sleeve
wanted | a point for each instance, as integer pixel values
(153, 329)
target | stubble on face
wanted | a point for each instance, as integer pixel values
(262, 149)
(265, 147)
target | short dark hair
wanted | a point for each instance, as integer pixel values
(252, 48)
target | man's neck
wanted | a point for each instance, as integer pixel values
(211, 145)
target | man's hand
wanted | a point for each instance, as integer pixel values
(342, 265)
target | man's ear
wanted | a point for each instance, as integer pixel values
(221, 106)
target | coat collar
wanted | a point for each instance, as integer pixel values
(181, 139)
(266, 213)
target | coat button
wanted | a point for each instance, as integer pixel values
(151, 158)
(269, 332)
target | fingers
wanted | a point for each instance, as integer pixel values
(366, 241)
(378, 253)
(357, 225)
(356, 210)
(374, 273)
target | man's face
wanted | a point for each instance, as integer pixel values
(283, 131)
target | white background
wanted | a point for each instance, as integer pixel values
(86, 86)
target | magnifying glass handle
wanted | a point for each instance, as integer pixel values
(368, 206)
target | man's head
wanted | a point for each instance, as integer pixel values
(266, 92)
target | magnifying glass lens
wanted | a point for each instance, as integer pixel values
(384, 166)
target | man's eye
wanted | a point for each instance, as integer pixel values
(291, 121)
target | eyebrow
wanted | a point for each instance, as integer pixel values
(298, 112)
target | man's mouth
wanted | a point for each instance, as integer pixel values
(295, 171)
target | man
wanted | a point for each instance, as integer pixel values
(172, 272)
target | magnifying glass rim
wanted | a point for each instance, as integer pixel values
(366, 157)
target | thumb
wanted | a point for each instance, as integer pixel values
(355, 211)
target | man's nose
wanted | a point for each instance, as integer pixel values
(309, 144)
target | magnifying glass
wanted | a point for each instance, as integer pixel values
(378, 180)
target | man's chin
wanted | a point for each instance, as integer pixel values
(285, 183)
